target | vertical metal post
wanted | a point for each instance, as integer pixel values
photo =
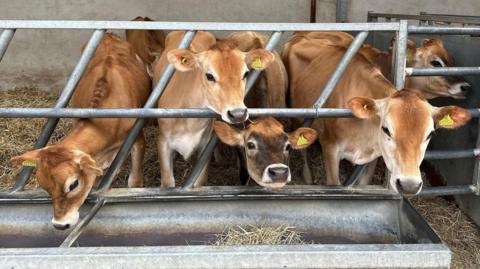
(400, 55)
(476, 170)
(313, 11)
(5, 39)
(139, 123)
(341, 12)
(206, 153)
(62, 101)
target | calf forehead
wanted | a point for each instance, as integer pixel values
(410, 117)
(227, 63)
(268, 131)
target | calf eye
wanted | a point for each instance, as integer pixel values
(429, 136)
(251, 145)
(436, 64)
(288, 147)
(386, 131)
(73, 186)
(246, 75)
(210, 77)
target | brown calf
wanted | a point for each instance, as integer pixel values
(211, 75)
(396, 125)
(266, 147)
(302, 49)
(67, 170)
(147, 44)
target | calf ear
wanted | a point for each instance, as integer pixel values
(302, 137)
(228, 134)
(29, 158)
(259, 59)
(450, 117)
(363, 107)
(89, 165)
(183, 60)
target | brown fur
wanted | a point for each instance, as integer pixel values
(352, 138)
(113, 79)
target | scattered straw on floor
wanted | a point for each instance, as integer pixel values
(19, 135)
(259, 235)
(456, 229)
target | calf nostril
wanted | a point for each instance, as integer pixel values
(61, 227)
(398, 184)
(277, 171)
(466, 88)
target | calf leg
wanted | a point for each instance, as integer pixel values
(165, 157)
(135, 179)
(331, 160)
(366, 176)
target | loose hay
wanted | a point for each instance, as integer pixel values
(456, 229)
(19, 135)
(259, 235)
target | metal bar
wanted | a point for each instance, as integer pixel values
(166, 113)
(353, 178)
(430, 17)
(341, 11)
(139, 123)
(476, 169)
(5, 39)
(62, 101)
(400, 55)
(451, 154)
(443, 71)
(341, 67)
(15, 112)
(207, 151)
(204, 26)
(437, 30)
(448, 190)
(313, 11)
(337, 74)
(77, 231)
(118, 195)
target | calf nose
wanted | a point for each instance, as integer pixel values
(61, 226)
(237, 115)
(278, 173)
(466, 88)
(408, 186)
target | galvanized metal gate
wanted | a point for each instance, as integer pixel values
(102, 195)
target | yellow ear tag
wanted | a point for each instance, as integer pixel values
(257, 63)
(302, 140)
(446, 121)
(184, 60)
(29, 163)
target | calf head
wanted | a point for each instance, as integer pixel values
(67, 175)
(406, 122)
(267, 147)
(432, 53)
(224, 71)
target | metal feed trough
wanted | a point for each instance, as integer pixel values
(350, 227)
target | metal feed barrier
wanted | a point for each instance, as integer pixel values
(103, 198)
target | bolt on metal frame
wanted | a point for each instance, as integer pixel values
(101, 196)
